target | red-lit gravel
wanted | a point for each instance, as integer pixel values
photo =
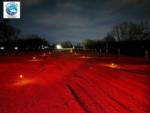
(73, 83)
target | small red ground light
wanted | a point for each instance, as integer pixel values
(34, 58)
(21, 76)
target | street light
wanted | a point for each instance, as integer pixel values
(15, 48)
(58, 46)
(2, 48)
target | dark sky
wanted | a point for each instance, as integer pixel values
(76, 20)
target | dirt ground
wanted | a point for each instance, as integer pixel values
(73, 83)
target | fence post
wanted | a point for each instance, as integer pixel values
(119, 52)
(100, 52)
(106, 48)
(146, 54)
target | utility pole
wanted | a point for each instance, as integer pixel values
(107, 44)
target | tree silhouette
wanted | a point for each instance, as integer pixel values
(131, 31)
(109, 38)
(67, 44)
(7, 32)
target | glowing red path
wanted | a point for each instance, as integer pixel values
(67, 83)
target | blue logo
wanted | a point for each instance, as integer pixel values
(11, 9)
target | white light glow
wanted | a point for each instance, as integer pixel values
(16, 48)
(21, 76)
(112, 64)
(58, 46)
(34, 58)
(2, 48)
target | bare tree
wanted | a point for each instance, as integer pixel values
(116, 33)
(67, 44)
(109, 38)
(7, 32)
(131, 31)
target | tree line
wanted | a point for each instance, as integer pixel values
(127, 38)
(128, 31)
(11, 39)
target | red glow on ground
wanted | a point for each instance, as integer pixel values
(21, 76)
(66, 83)
(111, 65)
(34, 58)
(23, 82)
(86, 57)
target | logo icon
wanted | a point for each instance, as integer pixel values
(11, 9)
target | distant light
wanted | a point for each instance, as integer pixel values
(16, 48)
(2, 48)
(86, 57)
(112, 64)
(75, 53)
(34, 58)
(44, 54)
(21, 76)
(44, 47)
(58, 46)
(83, 57)
(71, 50)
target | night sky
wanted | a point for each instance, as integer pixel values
(76, 20)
